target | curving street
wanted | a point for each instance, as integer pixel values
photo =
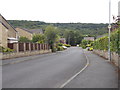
(53, 70)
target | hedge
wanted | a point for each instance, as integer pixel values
(102, 43)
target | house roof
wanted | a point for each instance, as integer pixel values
(36, 31)
(32, 31)
(4, 24)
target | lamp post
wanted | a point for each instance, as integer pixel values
(109, 27)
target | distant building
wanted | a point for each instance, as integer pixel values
(89, 38)
(28, 32)
(62, 40)
(8, 34)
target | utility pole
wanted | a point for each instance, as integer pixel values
(109, 27)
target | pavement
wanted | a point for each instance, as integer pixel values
(99, 74)
(53, 70)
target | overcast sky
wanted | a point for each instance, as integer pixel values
(84, 11)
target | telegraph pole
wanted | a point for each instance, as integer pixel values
(109, 27)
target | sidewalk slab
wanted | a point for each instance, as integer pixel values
(99, 74)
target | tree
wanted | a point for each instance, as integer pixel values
(24, 39)
(51, 36)
(38, 38)
(73, 37)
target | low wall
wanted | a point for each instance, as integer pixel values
(22, 54)
(115, 58)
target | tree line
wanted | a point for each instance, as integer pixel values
(84, 28)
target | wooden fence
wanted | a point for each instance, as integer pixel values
(22, 47)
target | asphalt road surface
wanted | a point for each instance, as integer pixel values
(46, 71)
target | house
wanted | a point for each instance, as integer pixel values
(8, 34)
(62, 40)
(28, 32)
(89, 38)
(24, 33)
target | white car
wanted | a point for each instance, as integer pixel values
(64, 47)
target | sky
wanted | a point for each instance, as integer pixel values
(59, 11)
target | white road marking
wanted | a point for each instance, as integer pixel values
(68, 81)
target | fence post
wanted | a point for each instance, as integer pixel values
(33, 46)
(37, 46)
(29, 46)
(17, 47)
(24, 46)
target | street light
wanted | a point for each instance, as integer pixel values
(109, 27)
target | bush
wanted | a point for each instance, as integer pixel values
(86, 43)
(59, 48)
(102, 43)
(8, 50)
(67, 45)
(24, 39)
(2, 49)
(60, 44)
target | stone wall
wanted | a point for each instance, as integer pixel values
(115, 58)
(22, 54)
(25, 49)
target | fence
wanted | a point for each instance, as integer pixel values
(23, 47)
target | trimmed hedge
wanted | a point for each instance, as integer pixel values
(102, 43)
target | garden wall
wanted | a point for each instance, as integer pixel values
(22, 54)
(25, 49)
(115, 58)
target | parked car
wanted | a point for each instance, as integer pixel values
(64, 47)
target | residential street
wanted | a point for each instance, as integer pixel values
(53, 70)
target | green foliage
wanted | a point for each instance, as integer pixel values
(38, 38)
(102, 43)
(4, 50)
(60, 44)
(67, 45)
(84, 28)
(24, 39)
(72, 37)
(60, 48)
(86, 43)
(1, 49)
(51, 36)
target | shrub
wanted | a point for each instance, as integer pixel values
(102, 43)
(86, 43)
(8, 50)
(60, 44)
(67, 45)
(59, 48)
(2, 49)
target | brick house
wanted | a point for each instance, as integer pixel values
(24, 33)
(28, 33)
(7, 33)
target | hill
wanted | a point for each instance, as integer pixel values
(84, 28)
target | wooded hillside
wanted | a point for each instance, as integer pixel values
(84, 28)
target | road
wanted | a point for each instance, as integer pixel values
(46, 71)
(56, 70)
